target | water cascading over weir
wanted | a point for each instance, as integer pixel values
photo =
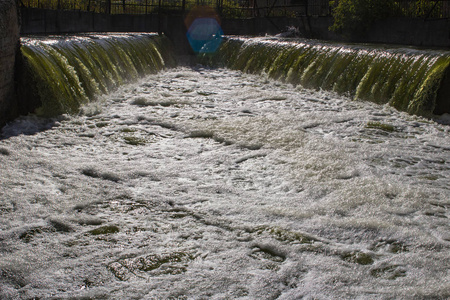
(415, 81)
(60, 74)
(65, 73)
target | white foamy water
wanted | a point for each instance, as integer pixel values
(213, 184)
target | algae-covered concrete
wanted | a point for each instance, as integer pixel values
(9, 42)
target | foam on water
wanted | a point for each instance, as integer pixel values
(214, 184)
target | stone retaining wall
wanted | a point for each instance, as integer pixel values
(9, 43)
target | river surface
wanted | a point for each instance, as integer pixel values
(197, 183)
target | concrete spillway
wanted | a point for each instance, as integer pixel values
(416, 81)
(66, 72)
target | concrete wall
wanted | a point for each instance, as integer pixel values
(9, 42)
(42, 21)
(258, 26)
(415, 32)
(313, 27)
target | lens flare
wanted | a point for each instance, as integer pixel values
(204, 32)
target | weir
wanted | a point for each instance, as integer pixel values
(415, 81)
(60, 74)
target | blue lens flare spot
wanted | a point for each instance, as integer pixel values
(204, 35)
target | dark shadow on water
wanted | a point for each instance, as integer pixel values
(27, 125)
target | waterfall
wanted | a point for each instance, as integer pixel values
(411, 80)
(61, 73)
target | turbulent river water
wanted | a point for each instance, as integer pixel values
(198, 183)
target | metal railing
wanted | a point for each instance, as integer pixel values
(240, 8)
(226, 8)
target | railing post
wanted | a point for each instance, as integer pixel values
(159, 18)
